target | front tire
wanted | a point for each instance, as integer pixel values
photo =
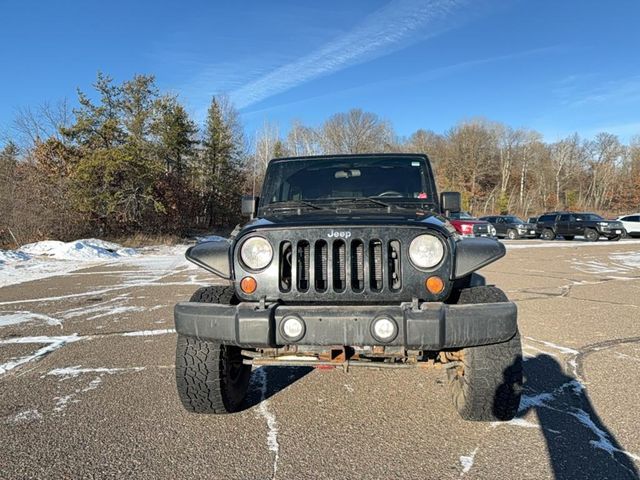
(210, 376)
(512, 234)
(614, 239)
(548, 234)
(488, 384)
(591, 235)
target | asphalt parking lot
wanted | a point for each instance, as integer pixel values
(87, 385)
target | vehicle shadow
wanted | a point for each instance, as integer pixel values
(267, 381)
(579, 444)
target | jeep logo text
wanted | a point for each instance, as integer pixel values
(334, 234)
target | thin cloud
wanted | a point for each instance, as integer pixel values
(388, 29)
(577, 92)
(416, 78)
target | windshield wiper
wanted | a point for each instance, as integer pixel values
(288, 204)
(358, 199)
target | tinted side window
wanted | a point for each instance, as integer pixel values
(564, 218)
(633, 218)
(547, 218)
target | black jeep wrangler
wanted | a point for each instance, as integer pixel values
(572, 224)
(347, 261)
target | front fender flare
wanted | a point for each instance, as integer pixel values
(214, 256)
(474, 253)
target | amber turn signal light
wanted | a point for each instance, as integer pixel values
(248, 285)
(434, 285)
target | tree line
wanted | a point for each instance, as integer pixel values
(130, 159)
(497, 168)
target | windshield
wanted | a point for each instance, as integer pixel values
(515, 220)
(387, 178)
(462, 216)
(590, 217)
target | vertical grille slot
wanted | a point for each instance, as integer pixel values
(320, 265)
(394, 269)
(357, 266)
(304, 261)
(285, 266)
(339, 255)
(375, 265)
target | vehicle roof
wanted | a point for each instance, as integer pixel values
(350, 155)
(564, 212)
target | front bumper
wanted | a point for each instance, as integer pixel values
(611, 232)
(431, 326)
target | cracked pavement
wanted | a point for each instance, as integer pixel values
(93, 392)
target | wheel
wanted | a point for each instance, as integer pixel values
(591, 235)
(216, 294)
(210, 376)
(568, 237)
(548, 234)
(488, 384)
(614, 238)
(512, 234)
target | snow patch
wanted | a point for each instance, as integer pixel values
(23, 316)
(25, 417)
(73, 372)
(467, 461)
(86, 249)
(148, 333)
(52, 258)
(51, 344)
(603, 442)
(560, 348)
(270, 418)
(211, 238)
(63, 402)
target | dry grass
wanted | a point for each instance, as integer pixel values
(145, 240)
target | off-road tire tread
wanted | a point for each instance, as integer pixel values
(224, 294)
(200, 366)
(491, 386)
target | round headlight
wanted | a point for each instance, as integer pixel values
(426, 251)
(256, 253)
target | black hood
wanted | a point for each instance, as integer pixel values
(355, 217)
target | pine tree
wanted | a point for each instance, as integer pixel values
(221, 162)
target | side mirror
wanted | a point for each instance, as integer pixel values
(450, 202)
(249, 205)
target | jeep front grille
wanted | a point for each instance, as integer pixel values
(340, 265)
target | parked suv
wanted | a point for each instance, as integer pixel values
(572, 224)
(348, 261)
(511, 227)
(469, 226)
(631, 224)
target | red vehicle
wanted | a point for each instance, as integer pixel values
(469, 226)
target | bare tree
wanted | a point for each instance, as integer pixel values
(356, 132)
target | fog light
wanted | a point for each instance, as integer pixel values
(293, 328)
(434, 285)
(384, 329)
(248, 285)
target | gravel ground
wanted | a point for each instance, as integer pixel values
(78, 398)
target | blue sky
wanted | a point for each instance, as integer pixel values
(555, 66)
